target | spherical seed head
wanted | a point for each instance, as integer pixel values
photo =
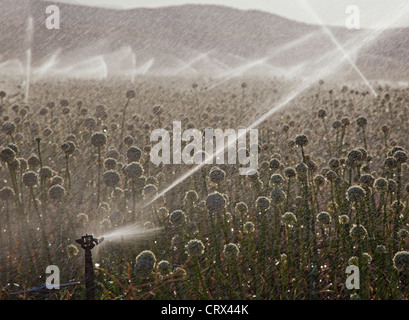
(343, 219)
(82, 218)
(355, 156)
(217, 175)
(367, 180)
(301, 140)
(289, 219)
(191, 197)
(23, 164)
(179, 274)
(301, 169)
(90, 123)
(252, 175)
(400, 156)
(66, 110)
(164, 268)
(290, 172)
(277, 196)
(263, 203)
(334, 163)
(13, 147)
(231, 251)
(195, 248)
(322, 113)
(64, 103)
(150, 191)
(291, 144)
(57, 180)
(30, 179)
(324, 218)
(177, 218)
(336, 124)
(68, 147)
(249, 227)
(110, 163)
(401, 261)
(133, 154)
(355, 194)
(45, 173)
(353, 261)
(7, 155)
(98, 139)
(241, 208)
(6, 194)
(215, 202)
(106, 224)
(394, 149)
(275, 164)
(361, 121)
(381, 184)
(345, 122)
(276, 180)
(157, 110)
(129, 140)
(148, 256)
(358, 232)
(312, 166)
(392, 185)
(8, 127)
(299, 201)
(111, 178)
(319, 180)
(72, 251)
(385, 129)
(192, 227)
(366, 258)
(133, 171)
(364, 153)
(397, 206)
(403, 234)
(56, 192)
(112, 153)
(15, 164)
(143, 269)
(130, 94)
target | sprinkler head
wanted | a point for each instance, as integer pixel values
(88, 241)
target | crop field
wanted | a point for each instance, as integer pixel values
(330, 189)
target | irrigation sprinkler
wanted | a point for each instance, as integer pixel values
(88, 242)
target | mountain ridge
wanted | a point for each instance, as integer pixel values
(177, 35)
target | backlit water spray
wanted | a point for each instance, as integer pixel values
(130, 232)
(326, 65)
(29, 34)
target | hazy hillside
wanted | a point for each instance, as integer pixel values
(191, 38)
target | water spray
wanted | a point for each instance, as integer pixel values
(88, 242)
